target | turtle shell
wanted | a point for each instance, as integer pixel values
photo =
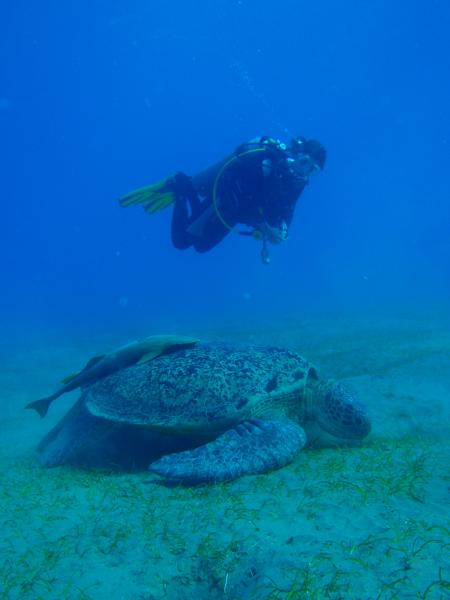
(196, 388)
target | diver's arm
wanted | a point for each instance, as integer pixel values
(282, 194)
(274, 235)
(279, 214)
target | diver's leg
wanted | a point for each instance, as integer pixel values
(181, 239)
(213, 233)
(186, 207)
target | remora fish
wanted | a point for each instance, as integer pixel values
(98, 367)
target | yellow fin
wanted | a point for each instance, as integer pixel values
(162, 201)
(145, 193)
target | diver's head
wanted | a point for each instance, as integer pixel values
(309, 156)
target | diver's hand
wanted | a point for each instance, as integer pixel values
(275, 235)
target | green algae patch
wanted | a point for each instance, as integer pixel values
(312, 529)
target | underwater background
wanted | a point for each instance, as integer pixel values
(98, 98)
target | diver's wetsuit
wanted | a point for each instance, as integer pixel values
(255, 185)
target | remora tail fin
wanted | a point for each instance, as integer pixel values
(41, 406)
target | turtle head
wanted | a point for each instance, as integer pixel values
(340, 413)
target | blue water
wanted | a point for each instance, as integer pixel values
(97, 98)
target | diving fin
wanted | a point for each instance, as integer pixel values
(158, 201)
(154, 197)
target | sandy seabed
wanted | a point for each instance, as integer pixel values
(361, 522)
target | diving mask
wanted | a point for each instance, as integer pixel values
(302, 166)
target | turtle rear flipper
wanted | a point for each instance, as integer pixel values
(77, 432)
(254, 446)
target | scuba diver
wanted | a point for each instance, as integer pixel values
(257, 186)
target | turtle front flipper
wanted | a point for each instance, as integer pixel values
(254, 446)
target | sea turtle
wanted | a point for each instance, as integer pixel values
(208, 413)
